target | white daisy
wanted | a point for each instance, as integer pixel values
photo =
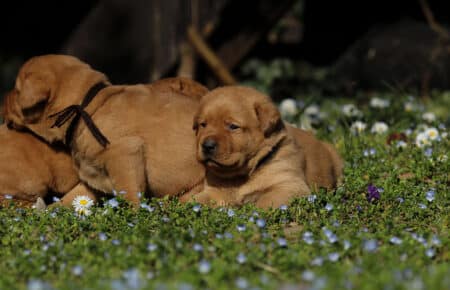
(422, 140)
(288, 108)
(379, 128)
(357, 127)
(350, 110)
(432, 133)
(82, 204)
(312, 110)
(379, 103)
(429, 117)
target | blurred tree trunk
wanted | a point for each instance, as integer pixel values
(139, 41)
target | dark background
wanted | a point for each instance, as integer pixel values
(124, 52)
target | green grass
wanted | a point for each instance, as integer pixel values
(400, 241)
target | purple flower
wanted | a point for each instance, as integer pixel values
(372, 193)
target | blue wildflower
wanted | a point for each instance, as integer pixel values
(261, 223)
(204, 267)
(370, 246)
(312, 198)
(318, 261)
(395, 240)
(283, 207)
(77, 270)
(430, 252)
(347, 245)
(373, 193)
(332, 238)
(197, 247)
(152, 247)
(241, 228)
(333, 257)
(282, 242)
(230, 213)
(308, 275)
(308, 238)
(241, 258)
(241, 283)
(112, 203)
(429, 195)
(196, 208)
(133, 279)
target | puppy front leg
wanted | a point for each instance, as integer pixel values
(282, 194)
(125, 164)
(210, 198)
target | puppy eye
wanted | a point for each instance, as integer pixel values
(233, 127)
(203, 124)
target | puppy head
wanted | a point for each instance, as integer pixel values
(232, 126)
(45, 85)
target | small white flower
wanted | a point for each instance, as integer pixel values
(442, 158)
(429, 117)
(350, 110)
(82, 204)
(288, 108)
(379, 128)
(312, 111)
(379, 103)
(358, 127)
(422, 140)
(432, 133)
(409, 107)
(401, 144)
(8, 196)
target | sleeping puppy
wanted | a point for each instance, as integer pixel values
(133, 138)
(31, 169)
(250, 155)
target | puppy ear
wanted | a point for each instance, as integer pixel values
(269, 117)
(33, 95)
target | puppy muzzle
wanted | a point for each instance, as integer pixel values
(209, 147)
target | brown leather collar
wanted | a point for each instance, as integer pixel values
(78, 111)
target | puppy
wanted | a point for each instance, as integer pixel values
(31, 169)
(250, 155)
(133, 138)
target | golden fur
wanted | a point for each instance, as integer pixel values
(152, 146)
(250, 155)
(30, 168)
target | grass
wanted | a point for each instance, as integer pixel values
(331, 240)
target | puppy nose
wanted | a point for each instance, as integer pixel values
(209, 146)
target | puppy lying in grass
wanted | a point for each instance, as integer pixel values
(31, 169)
(132, 138)
(250, 155)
